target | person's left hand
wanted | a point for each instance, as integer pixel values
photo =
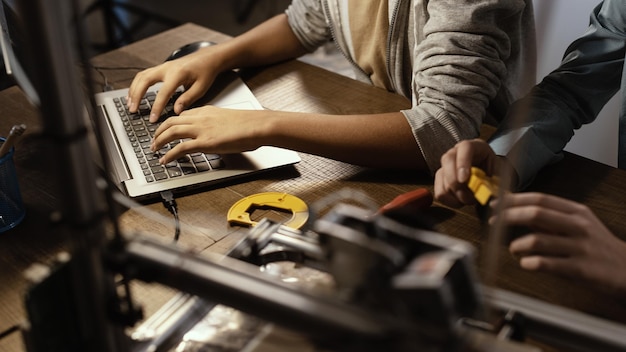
(451, 179)
(210, 130)
(566, 239)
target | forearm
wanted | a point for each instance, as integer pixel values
(270, 42)
(538, 127)
(377, 140)
(464, 65)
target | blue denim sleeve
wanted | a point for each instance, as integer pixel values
(537, 127)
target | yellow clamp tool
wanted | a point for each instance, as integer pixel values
(483, 186)
(239, 213)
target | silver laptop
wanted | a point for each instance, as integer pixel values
(136, 168)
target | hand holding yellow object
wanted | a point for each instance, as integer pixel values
(483, 186)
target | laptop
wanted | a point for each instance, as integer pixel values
(126, 137)
(136, 169)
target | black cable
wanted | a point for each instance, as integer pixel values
(170, 204)
(107, 86)
(120, 68)
(9, 331)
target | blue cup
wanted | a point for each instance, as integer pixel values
(12, 209)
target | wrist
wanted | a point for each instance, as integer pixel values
(220, 59)
(507, 172)
(266, 127)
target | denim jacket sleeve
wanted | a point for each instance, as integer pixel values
(538, 127)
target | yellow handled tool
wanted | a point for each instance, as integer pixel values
(239, 213)
(483, 186)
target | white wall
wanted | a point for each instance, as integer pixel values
(565, 21)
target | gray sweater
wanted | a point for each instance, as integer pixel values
(458, 61)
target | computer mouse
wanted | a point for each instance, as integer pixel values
(188, 49)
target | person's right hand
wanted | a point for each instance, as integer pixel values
(195, 72)
(451, 179)
(564, 238)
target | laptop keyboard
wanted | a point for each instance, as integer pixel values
(140, 132)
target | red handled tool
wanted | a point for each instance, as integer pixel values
(416, 200)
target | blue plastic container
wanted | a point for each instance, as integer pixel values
(12, 210)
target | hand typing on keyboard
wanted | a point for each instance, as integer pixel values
(189, 71)
(140, 133)
(209, 129)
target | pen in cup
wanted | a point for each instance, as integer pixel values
(15, 132)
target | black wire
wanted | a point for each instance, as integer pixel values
(177, 221)
(99, 69)
(170, 204)
(9, 331)
(136, 68)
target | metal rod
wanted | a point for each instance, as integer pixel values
(240, 285)
(53, 68)
(559, 326)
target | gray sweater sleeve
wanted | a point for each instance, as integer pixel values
(460, 66)
(308, 23)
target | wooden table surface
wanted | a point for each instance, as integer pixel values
(292, 86)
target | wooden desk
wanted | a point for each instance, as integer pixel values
(293, 86)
